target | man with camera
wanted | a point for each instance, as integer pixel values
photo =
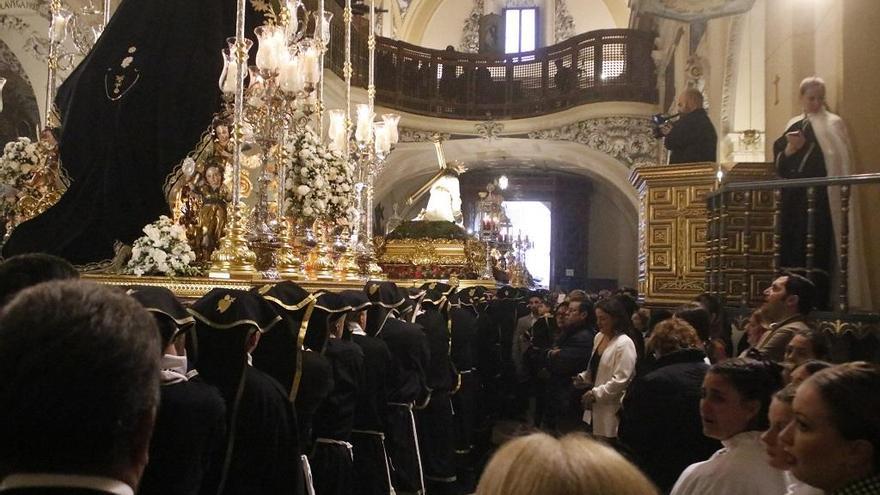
(692, 138)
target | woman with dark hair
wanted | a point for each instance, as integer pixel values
(835, 436)
(735, 399)
(611, 367)
(800, 373)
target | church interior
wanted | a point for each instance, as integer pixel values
(355, 162)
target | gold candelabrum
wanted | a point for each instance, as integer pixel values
(367, 147)
(281, 96)
(494, 224)
(85, 26)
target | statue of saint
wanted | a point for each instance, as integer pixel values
(444, 201)
(212, 215)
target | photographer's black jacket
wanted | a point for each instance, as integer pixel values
(692, 139)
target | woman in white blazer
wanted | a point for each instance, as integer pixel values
(612, 366)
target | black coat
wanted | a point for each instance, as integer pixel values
(188, 441)
(373, 392)
(335, 416)
(410, 358)
(265, 456)
(660, 420)
(692, 139)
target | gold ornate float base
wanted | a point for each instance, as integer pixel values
(195, 287)
(426, 258)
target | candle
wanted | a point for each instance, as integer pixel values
(293, 21)
(290, 78)
(325, 28)
(271, 44)
(383, 145)
(336, 130)
(311, 66)
(229, 75)
(58, 29)
(391, 120)
(364, 130)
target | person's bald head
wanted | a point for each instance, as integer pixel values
(689, 100)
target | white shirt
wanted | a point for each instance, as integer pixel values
(798, 487)
(739, 468)
(50, 480)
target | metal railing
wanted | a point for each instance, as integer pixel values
(604, 65)
(743, 214)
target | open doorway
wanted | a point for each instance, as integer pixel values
(533, 219)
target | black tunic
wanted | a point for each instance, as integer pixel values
(435, 421)
(315, 386)
(331, 460)
(131, 111)
(265, 458)
(408, 384)
(371, 466)
(806, 162)
(188, 441)
(692, 139)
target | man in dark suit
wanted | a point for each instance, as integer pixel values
(693, 137)
(79, 384)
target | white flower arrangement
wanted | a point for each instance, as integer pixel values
(320, 183)
(21, 161)
(164, 250)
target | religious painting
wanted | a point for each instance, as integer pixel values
(492, 34)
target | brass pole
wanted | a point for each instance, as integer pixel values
(811, 233)
(234, 257)
(844, 249)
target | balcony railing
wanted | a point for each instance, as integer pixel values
(605, 65)
(744, 235)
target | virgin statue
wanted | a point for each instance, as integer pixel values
(129, 113)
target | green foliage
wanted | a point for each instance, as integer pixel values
(429, 230)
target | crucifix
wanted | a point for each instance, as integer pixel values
(776, 87)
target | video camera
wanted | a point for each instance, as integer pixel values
(658, 120)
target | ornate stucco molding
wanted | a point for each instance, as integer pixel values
(470, 33)
(627, 139)
(410, 135)
(489, 129)
(731, 63)
(564, 22)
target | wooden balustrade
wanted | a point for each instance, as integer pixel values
(604, 65)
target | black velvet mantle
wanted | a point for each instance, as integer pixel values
(119, 147)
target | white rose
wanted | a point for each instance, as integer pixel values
(303, 190)
(159, 255)
(307, 211)
(319, 182)
(152, 233)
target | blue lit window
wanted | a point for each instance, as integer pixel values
(520, 29)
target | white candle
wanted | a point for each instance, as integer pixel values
(336, 130)
(383, 144)
(59, 25)
(289, 78)
(311, 65)
(364, 123)
(391, 120)
(229, 75)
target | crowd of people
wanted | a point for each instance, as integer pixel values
(383, 390)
